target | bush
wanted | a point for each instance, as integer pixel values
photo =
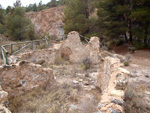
(18, 26)
(59, 60)
(134, 102)
(138, 44)
(86, 64)
(118, 42)
(126, 63)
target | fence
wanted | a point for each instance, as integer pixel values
(5, 53)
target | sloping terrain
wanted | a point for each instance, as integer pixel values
(48, 21)
(51, 81)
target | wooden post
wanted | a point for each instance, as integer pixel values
(11, 46)
(32, 46)
(6, 58)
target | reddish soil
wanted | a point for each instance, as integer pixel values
(140, 57)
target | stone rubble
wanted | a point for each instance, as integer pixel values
(113, 82)
(24, 76)
(76, 52)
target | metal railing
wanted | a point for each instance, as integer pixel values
(85, 38)
(5, 53)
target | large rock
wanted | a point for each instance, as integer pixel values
(110, 65)
(73, 50)
(92, 50)
(24, 76)
(113, 83)
(48, 21)
(4, 109)
(3, 96)
(47, 56)
(120, 81)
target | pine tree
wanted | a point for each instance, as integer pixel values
(77, 15)
(114, 18)
(2, 22)
(62, 2)
(18, 26)
(53, 3)
(141, 19)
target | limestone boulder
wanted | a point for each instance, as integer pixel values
(92, 50)
(110, 65)
(3, 96)
(74, 51)
(43, 57)
(24, 76)
(120, 81)
(4, 109)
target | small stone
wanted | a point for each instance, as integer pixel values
(114, 110)
(40, 62)
(146, 76)
(93, 87)
(86, 83)
(117, 93)
(103, 109)
(80, 80)
(75, 82)
(116, 101)
(121, 81)
(72, 106)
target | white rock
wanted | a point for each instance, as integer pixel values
(75, 81)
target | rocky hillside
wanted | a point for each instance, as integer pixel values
(48, 21)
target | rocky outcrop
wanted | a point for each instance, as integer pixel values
(71, 50)
(3, 96)
(48, 21)
(110, 65)
(42, 57)
(3, 101)
(3, 109)
(113, 83)
(76, 52)
(23, 76)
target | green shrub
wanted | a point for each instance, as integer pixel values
(126, 63)
(138, 44)
(86, 64)
(118, 42)
(59, 60)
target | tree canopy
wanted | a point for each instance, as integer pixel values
(18, 26)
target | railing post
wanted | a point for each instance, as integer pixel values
(47, 41)
(6, 58)
(1, 53)
(11, 46)
(32, 46)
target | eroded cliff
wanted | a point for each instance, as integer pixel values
(48, 21)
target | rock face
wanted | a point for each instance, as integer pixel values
(24, 76)
(3, 96)
(76, 52)
(48, 21)
(4, 109)
(46, 56)
(110, 65)
(113, 84)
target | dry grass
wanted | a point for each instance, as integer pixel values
(134, 102)
(52, 100)
(59, 61)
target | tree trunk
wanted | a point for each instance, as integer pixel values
(145, 35)
(126, 39)
(130, 32)
(86, 9)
